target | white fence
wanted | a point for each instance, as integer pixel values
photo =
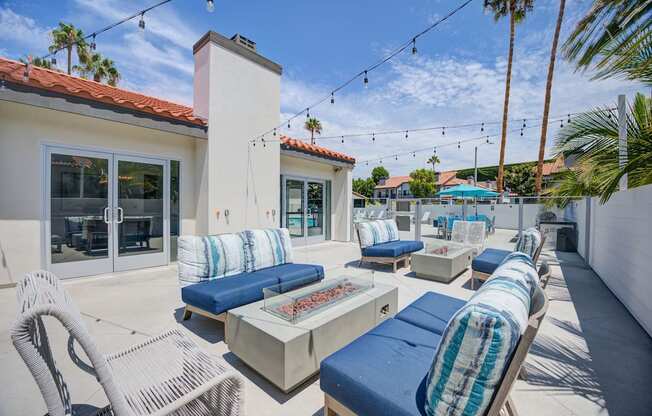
(620, 233)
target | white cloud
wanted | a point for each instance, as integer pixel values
(22, 31)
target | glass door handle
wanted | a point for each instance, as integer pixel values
(106, 215)
(121, 215)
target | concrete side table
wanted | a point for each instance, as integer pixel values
(442, 261)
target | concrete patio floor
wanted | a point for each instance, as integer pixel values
(590, 358)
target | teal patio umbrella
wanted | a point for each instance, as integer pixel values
(468, 191)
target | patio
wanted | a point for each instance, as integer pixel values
(590, 357)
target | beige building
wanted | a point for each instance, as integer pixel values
(96, 179)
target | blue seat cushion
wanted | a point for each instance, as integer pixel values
(382, 373)
(220, 295)
(292, 275)
(392, 248)
(489, 260)
(431, 312)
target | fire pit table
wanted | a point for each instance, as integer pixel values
(285, 336)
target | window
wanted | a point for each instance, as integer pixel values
(175, 227)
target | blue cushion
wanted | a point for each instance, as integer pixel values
(219, 295)
(432, 311)
(383, 372)
(489, 260)
(393, 248)
(292, 275)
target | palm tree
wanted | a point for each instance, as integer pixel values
(592, 139)
(40, 62)
(546, 105)
(615, 37)
(99, 68)
(434, 159)
(66, 36)
(313, 126)
(516, 9)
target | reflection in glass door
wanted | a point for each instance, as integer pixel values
(315, 209)
(294, 212)
(78, 220)
(141, 206)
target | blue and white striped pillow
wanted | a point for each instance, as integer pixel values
(479, 340)
(210, 257)
(377, 232)
(528, 242)
(267, 248)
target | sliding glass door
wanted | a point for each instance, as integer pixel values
(304, 204)
(105, 212)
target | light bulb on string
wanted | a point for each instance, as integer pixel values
(332, 98)
(459, 145)
(443, 131)
(569, 119)
(93, 44)
(373, 137)
(342, 139)
(396, 157)
(308, 112)
(414, 154)
(141, 23)
(274, 132)
(365, 80)
(414, 46)
(523, 123)
(210, 6)
(487, 140)
(289, 126)
(561, 123)
(482, 128)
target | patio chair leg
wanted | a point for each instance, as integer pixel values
(394, 265)
(186, 314)
(511, 409)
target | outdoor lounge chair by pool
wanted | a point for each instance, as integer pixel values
(380, 243)
(434, 357)
(166, 374)
(222, 272)
(530, 242)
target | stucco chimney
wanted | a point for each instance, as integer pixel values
(237, 91)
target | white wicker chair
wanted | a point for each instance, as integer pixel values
(460, 231)
(475, 236)
(165, 375)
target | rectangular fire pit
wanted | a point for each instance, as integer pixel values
(285, 337)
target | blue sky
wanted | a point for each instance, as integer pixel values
(457, 76)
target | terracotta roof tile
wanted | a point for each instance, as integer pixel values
(83, 88)
(301, 146)
(555, 166)
(393, 182)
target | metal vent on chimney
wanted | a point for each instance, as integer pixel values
(242, 41)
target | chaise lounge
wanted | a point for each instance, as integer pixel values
(380, 243)
(442, 355)
(222, 272)
(530, 242)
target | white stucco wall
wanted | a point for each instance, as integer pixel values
(23, 132)
(341, 190)
(619, 249)
(241, 100)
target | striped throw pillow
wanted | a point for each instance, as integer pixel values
(479, 340)
(210, 257)
(377, 232)
(529, 241)
(267, 248)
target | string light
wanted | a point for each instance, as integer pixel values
(141, 23)
(274, 132)
(396, 157)
(53, 61)
(289, 127)
(443, 131)
(406, 134)
(210, 6)
(373, 137)
(93, 44)
(332, 98)
(569, 119)
(308, 112)
(342, 139)
(414, 46)
(523, 123)
(366, 80)
(561, 123)
(482, 128)
(459, 146)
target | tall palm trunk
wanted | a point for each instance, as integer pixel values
(546, 104)
(508, 80)
(312, 136)
(69, 59)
